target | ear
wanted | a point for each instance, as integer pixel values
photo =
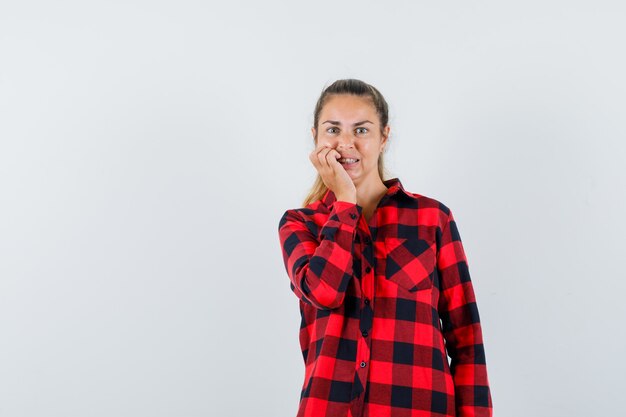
(386, 131)
(313, 132)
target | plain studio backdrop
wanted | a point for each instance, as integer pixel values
(148, 150)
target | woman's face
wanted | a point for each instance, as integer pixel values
(350, 124)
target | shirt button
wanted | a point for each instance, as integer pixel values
(352, 215)
(368, 269)
(364, 333)
(362, 364)
(367, 301)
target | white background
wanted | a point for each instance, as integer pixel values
(149, 148)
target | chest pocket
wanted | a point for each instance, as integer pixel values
(410, 263)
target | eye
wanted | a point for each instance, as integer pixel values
(329, 129)
(362, 129)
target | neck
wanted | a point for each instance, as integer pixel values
(370, 192)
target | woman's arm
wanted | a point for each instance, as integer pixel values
(461, 326)
(319, 271)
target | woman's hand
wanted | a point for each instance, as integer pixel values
(336, 178)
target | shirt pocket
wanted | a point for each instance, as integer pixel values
(410, 262)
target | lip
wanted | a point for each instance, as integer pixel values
(349, 157)
(350, 165)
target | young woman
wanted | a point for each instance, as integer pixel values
(382, 280)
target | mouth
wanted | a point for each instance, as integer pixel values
(348, 161)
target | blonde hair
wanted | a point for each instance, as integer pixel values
(358, 88)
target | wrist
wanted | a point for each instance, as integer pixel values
(347, 198)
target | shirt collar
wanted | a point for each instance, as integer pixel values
(393, 185)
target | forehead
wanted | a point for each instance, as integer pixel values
(348, 108)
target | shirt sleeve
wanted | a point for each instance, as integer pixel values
(320, 271)
(461, 326)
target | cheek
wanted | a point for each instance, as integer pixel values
(367, 151)
(321, 141)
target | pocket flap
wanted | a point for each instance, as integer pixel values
(410, 262)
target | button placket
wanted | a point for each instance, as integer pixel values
(367, 314)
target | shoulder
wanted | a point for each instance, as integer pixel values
(433, 205)
(430, 201)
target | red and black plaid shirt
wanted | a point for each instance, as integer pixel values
(383, 303)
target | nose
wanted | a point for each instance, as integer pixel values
(346, 140)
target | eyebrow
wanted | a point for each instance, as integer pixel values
(334, 122)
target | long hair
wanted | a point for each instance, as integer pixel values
(358, 88)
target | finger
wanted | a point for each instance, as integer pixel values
(313, 158)
(314, 155)
(316, 159)
(332, 158)
(323, 157)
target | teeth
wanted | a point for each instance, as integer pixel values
(347, 160)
